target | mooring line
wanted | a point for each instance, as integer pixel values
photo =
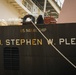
(54, 46)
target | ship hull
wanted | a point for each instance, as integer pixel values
(24, 51)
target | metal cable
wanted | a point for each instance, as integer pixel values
(54, 46)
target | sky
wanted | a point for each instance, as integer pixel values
(62, 1)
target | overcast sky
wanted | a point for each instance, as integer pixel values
(62, 1)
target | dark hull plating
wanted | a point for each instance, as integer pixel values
(21, 53)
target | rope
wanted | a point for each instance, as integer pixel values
(54, 46)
